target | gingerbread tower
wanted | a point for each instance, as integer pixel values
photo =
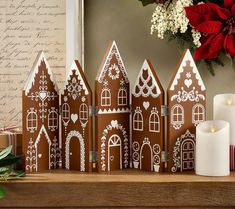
(186, 98)
(40, 118)
(147, 121)
(76, 118)
(112, 112)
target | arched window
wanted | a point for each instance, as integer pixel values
(53, 120)
(177, 116)
(122, 97)
(198, 112)
(83, 112)
(154, 122)
(32, 121)
(138, 120)
(65, 112)
(105, 97)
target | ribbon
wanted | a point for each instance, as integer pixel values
(11, 133)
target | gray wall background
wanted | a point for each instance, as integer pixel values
(128, 23)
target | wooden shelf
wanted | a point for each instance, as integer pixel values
(126, 189)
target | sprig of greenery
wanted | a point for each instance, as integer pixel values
(7, 172)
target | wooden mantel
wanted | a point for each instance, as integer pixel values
(127, 189)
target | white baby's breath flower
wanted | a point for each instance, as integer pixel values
(196, 37)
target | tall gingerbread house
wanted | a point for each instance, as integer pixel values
(147, 121)
(186, 98)
(112, 112)
(40, 118)
(76, 119)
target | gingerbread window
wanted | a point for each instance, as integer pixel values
(65, 112)
(138, 120)
(154, 122)
(83, 112)
(122, 97)
(177, 116)
(53, 120)
(198, 113)
(105, 97)
(32, 121)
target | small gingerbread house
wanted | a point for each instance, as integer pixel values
(147, 122)
(186, 98)
(76, 101)
(112, 112)
(40, 118)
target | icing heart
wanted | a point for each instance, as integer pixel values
(146, 105)
(43, 95)
(114, 123)
(188, 82)
(74, 117)
(39, 155)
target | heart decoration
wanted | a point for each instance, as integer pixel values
(188, 82)
(42, 95)
(39, 155)
(114, 123)
(146, 105)
(74, 117)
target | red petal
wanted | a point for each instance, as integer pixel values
(211, 47)
(209, 27)
(222, 13)
(233, 10)
(228, 3)
(229, 44)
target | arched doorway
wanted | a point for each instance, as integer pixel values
(42, 144)
(75, 151)
(114, 153)
(187, 154)
(146, 157)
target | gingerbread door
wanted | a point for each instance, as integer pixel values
(40, 118)
(76, 120)
(112, 112)
(186, 98)
(147, 120)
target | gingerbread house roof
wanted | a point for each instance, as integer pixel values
(147, 82)
(80, 74)
(34, 71)
(112, 50)
(183, 61)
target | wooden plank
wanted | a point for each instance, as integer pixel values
(119, 189)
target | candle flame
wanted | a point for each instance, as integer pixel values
(213, 129)
(230, 101)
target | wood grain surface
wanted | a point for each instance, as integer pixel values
(127, 189)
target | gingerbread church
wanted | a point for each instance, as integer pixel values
(186, 100)
(147, 121)
(40, 118)
(76, 102)
(112, 112)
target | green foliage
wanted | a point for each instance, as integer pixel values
(146, 2)
(2, 192)
(7, 172)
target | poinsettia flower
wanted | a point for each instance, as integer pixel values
(218, 26)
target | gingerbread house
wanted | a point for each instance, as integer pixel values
(186, 98)
(76, 101)
(147, 121)
(40, 118)
(112, 112)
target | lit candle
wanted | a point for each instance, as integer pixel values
(224, 109)
(212, 148)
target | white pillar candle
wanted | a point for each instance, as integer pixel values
(212, 148)
(224, 109)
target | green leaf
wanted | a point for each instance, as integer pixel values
(5, 152)
(233, 62)
(146, 2)
(15, 175)
(9, 160)
(210, 67)
(2, 192)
